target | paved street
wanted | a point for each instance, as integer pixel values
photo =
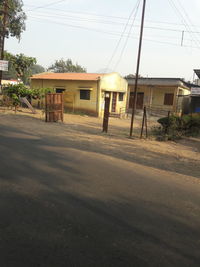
(63, 204)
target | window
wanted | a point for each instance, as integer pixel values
(60, 90)
(169, 99)
(121, 96)
(85, 94)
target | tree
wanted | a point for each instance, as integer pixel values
(61, 66)
(12, 71)
(20, 67)
(35, 69)
(15, 19)
(23, 66)
(132, 76)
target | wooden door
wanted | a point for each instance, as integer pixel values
(131, 100)
(140, 100)
(114, 102)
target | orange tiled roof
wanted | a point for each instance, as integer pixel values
(67, 76)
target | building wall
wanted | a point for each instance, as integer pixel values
(154, 95)
(195, 104)
(108, 83)
(72, 99)
(113, 82)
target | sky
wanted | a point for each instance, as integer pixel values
(103, 35)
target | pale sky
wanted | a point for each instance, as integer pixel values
(88, 31)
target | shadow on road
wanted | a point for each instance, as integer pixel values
(57, 212)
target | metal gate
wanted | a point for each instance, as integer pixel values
(54, 107)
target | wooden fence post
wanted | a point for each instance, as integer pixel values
(144, 123)
(106, 112)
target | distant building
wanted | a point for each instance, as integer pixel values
(197, 73)
(158, 93)
(86, 91)
(8, 82)
(194, 104)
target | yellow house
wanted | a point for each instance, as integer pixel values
(158, 93)
(86, 91)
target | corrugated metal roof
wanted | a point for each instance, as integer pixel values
(158, 81)
(197, 72)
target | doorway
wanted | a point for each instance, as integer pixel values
(60, 90)
(140, 100)
(114, 102)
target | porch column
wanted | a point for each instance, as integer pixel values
(150, 96)
(175, 99)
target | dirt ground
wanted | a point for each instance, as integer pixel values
(73, 196)
(181, 156)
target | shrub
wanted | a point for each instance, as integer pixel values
(174, 127)
(41, 92)
(191, 124)
(14, 92)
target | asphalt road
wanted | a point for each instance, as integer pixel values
(64, 205)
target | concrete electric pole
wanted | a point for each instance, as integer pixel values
(137, 69)
(2, 37)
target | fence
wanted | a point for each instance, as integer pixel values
(54, 107)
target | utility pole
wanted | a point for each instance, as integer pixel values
(138, 68)
(182, 38)
(2, 37)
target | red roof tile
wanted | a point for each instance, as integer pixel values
(67, 76)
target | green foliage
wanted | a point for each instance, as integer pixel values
(15, 22)
(175, 127)
(14, 92)
(132, 76)
(41, 92)
(20, 66)
(35, 69)
(191, 124)
(62, 66)
(173, 122)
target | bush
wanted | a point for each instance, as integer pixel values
(41, 92)
(14, 92)
(191, 124)
(175, 127)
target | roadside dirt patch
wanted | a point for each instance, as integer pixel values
(85, 132)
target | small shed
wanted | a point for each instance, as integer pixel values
(195, 100)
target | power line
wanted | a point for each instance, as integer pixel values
(44, 6)
(99, 21)
(105, 32)
(128, 36)
(124, 31)
(113, 23)
(114, 17)
(187, 16)
(184, 21)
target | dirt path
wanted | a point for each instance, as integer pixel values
(83, 131)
